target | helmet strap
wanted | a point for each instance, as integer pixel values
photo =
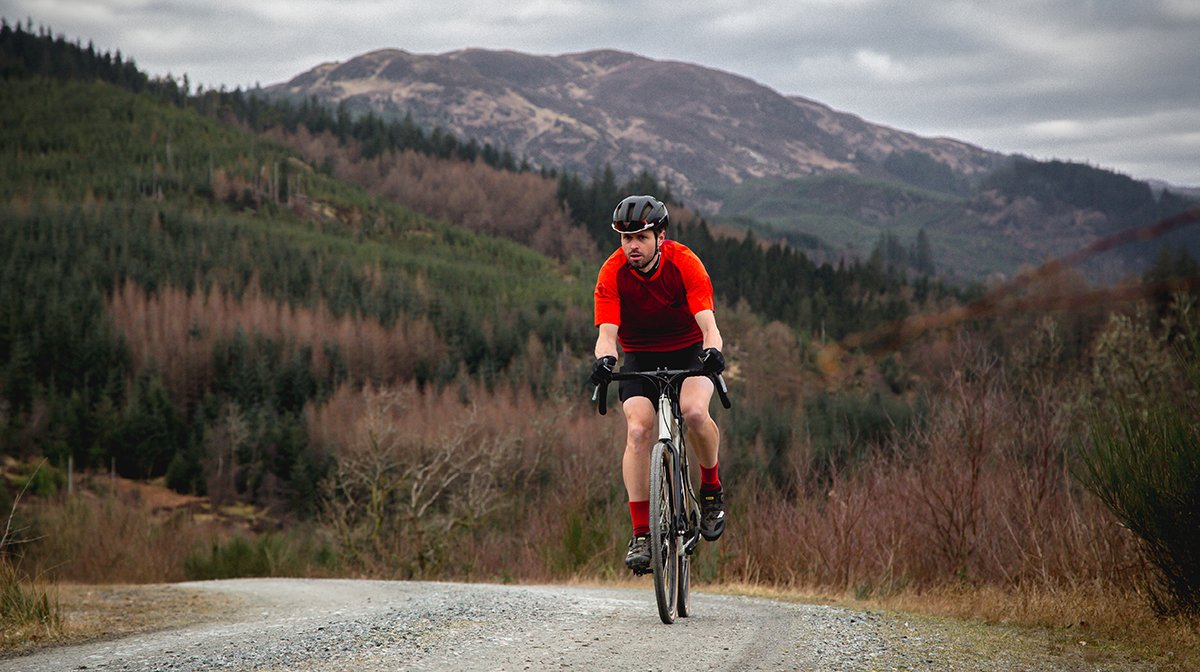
(653, 265)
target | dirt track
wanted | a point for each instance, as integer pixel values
(283, 624)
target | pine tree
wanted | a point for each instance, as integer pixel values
(923, 255)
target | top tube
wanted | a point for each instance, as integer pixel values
(664, 379)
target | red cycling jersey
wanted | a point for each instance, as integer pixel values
(655, 314)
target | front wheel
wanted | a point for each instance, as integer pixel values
(664, 556)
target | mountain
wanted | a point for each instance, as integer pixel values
(749, 156)
(695, 127)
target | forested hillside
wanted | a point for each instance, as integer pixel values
(120, 208)
(370, 340)
(1021, 215)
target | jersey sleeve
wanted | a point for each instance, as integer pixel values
(695, 280)
(607, 298)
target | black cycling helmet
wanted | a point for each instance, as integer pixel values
(638, 213)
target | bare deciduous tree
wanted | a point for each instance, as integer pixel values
(395, 496)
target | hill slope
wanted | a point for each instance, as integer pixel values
(161, 271)
(747, 155)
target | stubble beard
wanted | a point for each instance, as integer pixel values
(647, 262)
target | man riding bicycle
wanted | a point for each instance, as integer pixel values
(654, 296)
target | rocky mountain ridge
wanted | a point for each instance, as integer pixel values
(695, 127)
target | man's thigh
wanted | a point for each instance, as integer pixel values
(696, 393)
(639, 416)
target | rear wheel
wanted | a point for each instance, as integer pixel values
(664, 556)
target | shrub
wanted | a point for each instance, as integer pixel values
(1146, 470)
(263, 555)
(1140, 455)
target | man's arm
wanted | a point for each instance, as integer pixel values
(708, 327)
(606, 342)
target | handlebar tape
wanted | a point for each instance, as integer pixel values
(600, 396)
(722, 390)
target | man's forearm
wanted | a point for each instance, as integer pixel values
(708, 330)
(606, 341)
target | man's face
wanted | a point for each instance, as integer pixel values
(640, 248)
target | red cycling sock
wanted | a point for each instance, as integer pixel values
(639, 512)
(709, 480)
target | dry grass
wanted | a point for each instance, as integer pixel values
(116, 531)
(1084, 624)
(105, 539)
(29, 610)
(92, 612)
(1069, 617)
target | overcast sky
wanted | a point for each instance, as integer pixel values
(1114, 83)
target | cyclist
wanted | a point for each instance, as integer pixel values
(655, 298)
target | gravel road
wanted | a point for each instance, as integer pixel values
(292, 624)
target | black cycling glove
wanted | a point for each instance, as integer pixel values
(712, 361)
(602, 370)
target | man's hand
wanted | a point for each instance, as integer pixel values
(602, 370)
(712, 361)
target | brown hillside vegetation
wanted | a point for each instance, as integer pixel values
(174, 332)
(517, 206)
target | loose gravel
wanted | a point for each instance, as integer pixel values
(323, 625)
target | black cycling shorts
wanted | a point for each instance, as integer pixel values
(687, 358)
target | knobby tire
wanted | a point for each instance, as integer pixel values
(664, 557)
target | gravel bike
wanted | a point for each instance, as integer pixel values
(674, 507)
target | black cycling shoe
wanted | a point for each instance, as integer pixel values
(712, 514)
(638, 557)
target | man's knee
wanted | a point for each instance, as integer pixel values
(641, 423)
(696, 416)
(641, 434)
